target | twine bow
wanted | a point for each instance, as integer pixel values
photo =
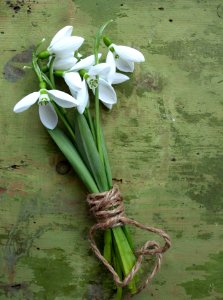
(109, 211)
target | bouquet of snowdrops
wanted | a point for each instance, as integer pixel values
(82, 140)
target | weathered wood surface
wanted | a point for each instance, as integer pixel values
(164, 139)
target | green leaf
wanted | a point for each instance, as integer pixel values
(127, 257)
(107, 252)
(117, 267)
(88, 151)
(74, 158)
(98, 39)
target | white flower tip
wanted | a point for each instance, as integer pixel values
(51, 127)
(138, 56)
(81, 39)
(68, 28)
(43, 40)
(26, 67)
(81, 109)
(142, 58)
(15, 109)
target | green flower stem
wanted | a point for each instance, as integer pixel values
(106, 160)
(107, 253)
(117, 267)
(51, 71)
(128, 236)
(48, 82)
(97, 119)
(107, 41)
(96, 49)
(90, 121)
(127, 257)
(36, 68)
(64, 120)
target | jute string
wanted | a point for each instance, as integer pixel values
(109, 211)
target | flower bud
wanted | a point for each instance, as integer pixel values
(44, 54)
(107, 41)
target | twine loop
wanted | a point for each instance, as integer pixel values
(109, 211)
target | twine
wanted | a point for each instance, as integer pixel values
(109, 211)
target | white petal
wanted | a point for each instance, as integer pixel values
(128, 53)
(62, 33)
(26, 102)
(85, 63)
(65, 54)
(83, 98)
(124, 65)
(74, 92)
(73, 80)
(48, 116)
(64, 63)
(106, 92)
(111, 61)
(70, 43)
(101, 69)
(62, 99)
(109, 106)
(118, 78)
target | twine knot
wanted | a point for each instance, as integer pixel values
(107, 207)
(109, 211)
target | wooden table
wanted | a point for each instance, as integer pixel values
(164, 140)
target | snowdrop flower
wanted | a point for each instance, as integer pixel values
(63, 45)
(125, 57)
(107, 93)
(47, 113)
(64, 62)
(63, 42)
(112, 77)
(79, 87)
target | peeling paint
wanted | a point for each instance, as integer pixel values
(211, 281)
(13, 70)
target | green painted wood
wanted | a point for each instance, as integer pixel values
(164, 140)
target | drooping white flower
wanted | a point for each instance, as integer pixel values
(79, 87)
(47, 113)
(107, 93)
(112, 77)
(63, 42)
(65, 61)
(125, 57)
